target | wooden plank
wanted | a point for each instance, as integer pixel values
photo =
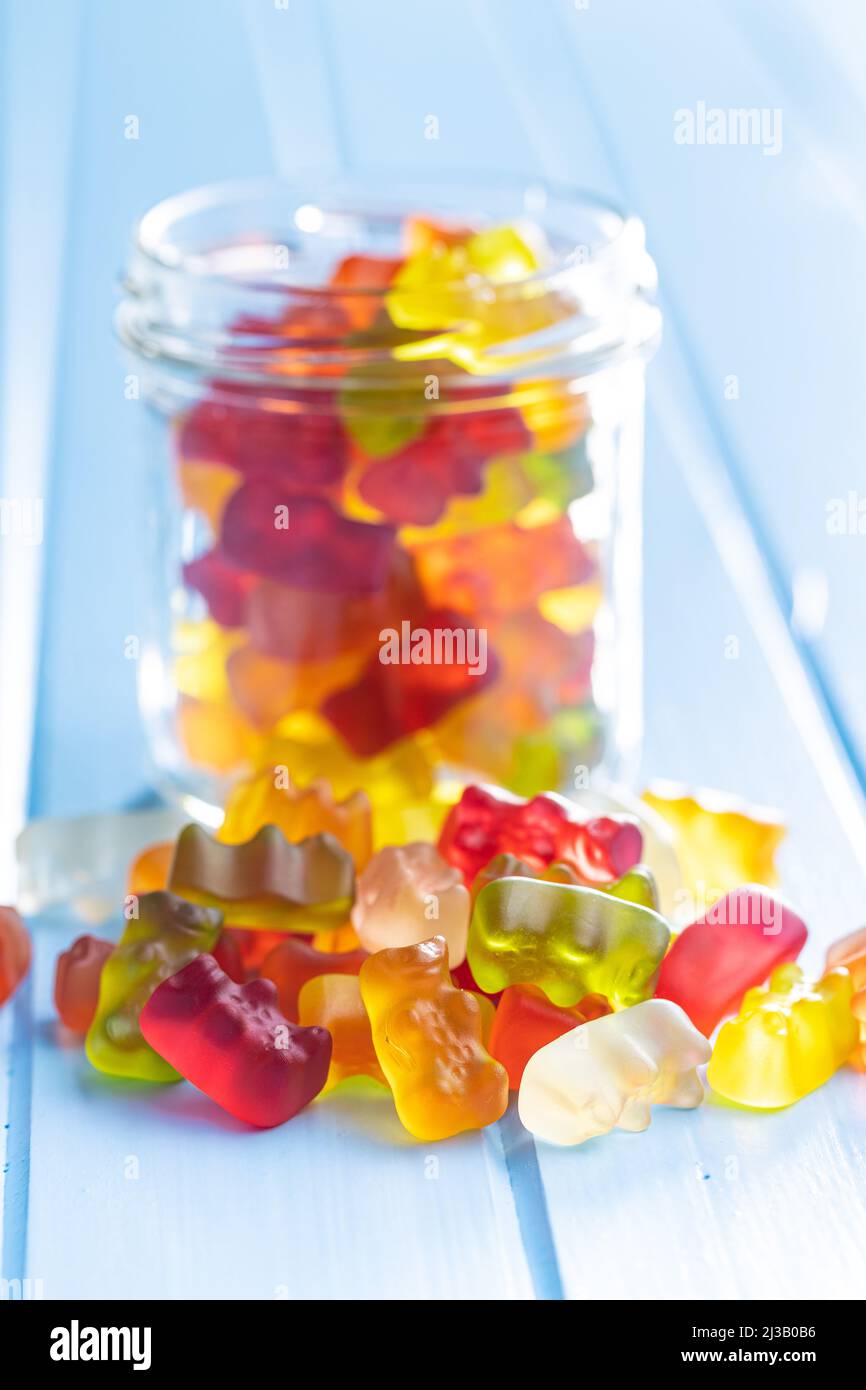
(717, 1187)
(34, 205)
(338, 1203)
(757, 255)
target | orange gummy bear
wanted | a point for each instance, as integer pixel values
(502, 569)
(76, 981)
(149, 870)
(428, 1039)
(334, 1002)
(292, 963)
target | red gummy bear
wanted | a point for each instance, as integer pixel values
(14, 952)
(415, 485)
(304, 541)
(232, 1043)
(229, 953)
(728, 950)
(291, 964)
(277, 436)
(526, 1020)
(225, 588)
(391, 700)
(485, 823)
(76, 981)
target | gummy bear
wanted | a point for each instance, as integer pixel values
(292, 963)
(83, 860)
(15, 952)
(232, 1043)
(788, 1038)
(266, 882)
(149, 870)
(609, 1072)
(229, 955)
(201, 652)
(337, 939)
(427, 1036)
(731, 948)
(486, 822)
(266, 689)
(76, 981)
(358, 275)
(569, 940)
(478, 293)
(272, 436)
(309, 749)
(720, 841)
(505, 491)
(414, 486)
(165, 936)
(304, 541)
(404, 893)
(503, 569)
(253, 947)
(271, 798)
(526, 1020)
(334, 1002)
(214, 734)
(224, 586)
(418, 674)
(206, 488)
(850, 952)
(636, 886)
(422, 234)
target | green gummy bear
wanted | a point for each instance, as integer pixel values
(637, 886)
(267, 882)
(568, 940)
(165, 936)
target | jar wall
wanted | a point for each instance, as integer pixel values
(466, 604)
(393, 486)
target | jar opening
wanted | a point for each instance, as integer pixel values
(277, 282)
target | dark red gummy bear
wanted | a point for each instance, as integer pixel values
(225, 588)
(232, 1042)
(415, 485)
(485, 823)
(391, 700)
(293, 438)
(304, 541)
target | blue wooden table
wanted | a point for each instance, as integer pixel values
(755, 442)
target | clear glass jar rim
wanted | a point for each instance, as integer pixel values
(172, 310)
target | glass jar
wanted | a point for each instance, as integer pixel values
(394, 455)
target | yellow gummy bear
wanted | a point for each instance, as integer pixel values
(270, 798)
(788, 1038)
(308, 748)
(471, 296)
(721, 843)
(201, 652)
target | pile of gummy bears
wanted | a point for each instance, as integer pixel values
(526, 951)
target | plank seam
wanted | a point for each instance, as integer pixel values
(729, 503)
